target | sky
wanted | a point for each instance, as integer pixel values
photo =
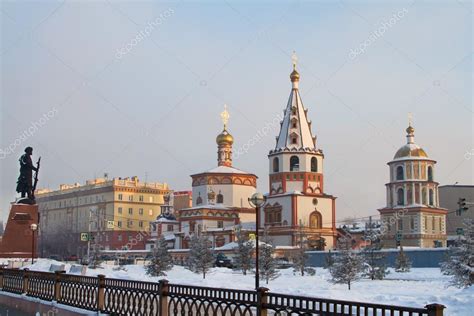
(136, 88)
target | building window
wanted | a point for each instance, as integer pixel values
(433, 223)
(199, 200)
(276, 164)
(120, 197)
(140, 224)
(170, 228)
(150, 212)
(294, 163)
(430, 173)
(315, 220)
(220, 224)
(423, 196)
(400, 224)
(440, 225)
(130, 211)
(120, 210)
(273, 215)
(140, 211)
(129, 224)
(220, 198)
(119, 237)
(431, 197)
(140, 198)
(119, 224)
(294, 140)
(412, 222)
(192, 226)
(150, 199)
(130, 198)
(220, 241)
(314, 164)
(400, 175)
(400, 197)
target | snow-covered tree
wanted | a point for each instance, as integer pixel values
(244, 252)
(348, 265)
(161, 260)
(329, 261)
(374, 265)
(200, 255)
(300, 257)
(460, 260)
(266, 261)
(402, 262)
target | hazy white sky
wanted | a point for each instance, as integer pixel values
(136, 87)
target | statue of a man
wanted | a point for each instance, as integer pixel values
(25, 180)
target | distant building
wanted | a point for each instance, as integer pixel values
(448, 198)
(413, 212)
(116, 212)
(182, 199)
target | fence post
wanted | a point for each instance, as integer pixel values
(57, 285)
(163, 289)
(26, 276)
(435, 309)
(262, 300)
(1, 278)
(101, 293)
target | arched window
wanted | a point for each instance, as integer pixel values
(430, 173)
(400, 175)
(315, 220)
(423, 196)
(400, 197)
(220, 198)
(294, 163)
(431, 197)
(276, 164)
(314, 164)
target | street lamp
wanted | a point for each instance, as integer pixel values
(257, 200)
(33, 228)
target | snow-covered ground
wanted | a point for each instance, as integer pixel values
(417, 288)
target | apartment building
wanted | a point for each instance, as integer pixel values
(113, 213)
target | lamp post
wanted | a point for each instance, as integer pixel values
(257, 200)
(33, 228)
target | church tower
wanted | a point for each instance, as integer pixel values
(296, 193)
(412, 216)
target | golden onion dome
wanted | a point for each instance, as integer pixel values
(294, 76)
(224, 138)
(410, 150)
(410, 130)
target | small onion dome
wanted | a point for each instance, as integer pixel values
(410, 130)
(225, 138)
(295, 76)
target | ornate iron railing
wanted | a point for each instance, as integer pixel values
(279, 304)
(41, 285)
(190, 300)
(131, 297)
(122, 297)
(79, 291)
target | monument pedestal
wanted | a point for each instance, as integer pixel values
(17, 240)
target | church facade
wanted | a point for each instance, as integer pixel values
(297, 199)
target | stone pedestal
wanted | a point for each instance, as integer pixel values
(17, 240)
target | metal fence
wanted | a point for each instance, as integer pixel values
(122, 297)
